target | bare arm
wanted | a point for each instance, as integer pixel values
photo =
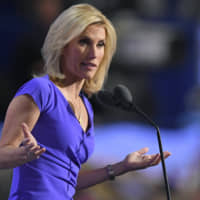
(21, 116)
(134, 161)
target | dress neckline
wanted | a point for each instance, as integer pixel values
(70, 108)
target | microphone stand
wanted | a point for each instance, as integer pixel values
(139, 111)
(122, 98)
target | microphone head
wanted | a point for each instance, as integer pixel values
(123, 96)
(120, 97)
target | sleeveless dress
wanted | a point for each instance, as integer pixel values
(54, 175)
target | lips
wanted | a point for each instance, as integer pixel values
(88, 64)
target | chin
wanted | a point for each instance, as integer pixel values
(88, 76)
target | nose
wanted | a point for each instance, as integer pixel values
(92, 52)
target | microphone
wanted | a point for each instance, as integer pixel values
(122, 98)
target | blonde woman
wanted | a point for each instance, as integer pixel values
(48, 130)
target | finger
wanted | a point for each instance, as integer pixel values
(39, 152)
(156, 159)
(150, 158)
(29, 147)
(34, 153)
(166, 154)
(143, 150)
(32, 147)
(25, 142)
(38, 149)
(26, 130)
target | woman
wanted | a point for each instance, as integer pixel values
(48, 129)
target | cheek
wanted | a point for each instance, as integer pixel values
(101, 55)
(74, 56)
(77, 54)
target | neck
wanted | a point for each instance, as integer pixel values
(71, 88)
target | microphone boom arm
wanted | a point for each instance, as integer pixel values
(148, 119)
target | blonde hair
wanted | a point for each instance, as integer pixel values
(68, 25)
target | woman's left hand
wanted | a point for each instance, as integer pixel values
(138, 159)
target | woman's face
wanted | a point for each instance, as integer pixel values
(83, 55)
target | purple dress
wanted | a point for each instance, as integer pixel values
(54, 174)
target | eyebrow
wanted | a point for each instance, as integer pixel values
(88, 38)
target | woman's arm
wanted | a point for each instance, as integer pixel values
(21, 116)
(134, 161)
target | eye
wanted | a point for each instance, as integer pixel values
(101, 44)
(84, 41)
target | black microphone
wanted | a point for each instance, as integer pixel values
(121, 98)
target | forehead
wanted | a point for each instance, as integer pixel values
(96, 31)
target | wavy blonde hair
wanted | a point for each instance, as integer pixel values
(68, 25)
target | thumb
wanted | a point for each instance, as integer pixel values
(26, 130)
(143, 150)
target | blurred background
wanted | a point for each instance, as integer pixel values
(157, 59)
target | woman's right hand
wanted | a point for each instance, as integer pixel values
(17, 144)
(29, 149)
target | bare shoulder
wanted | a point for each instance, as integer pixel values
(21, 109)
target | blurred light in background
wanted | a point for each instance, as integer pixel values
(115, 141)
(157, 59)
